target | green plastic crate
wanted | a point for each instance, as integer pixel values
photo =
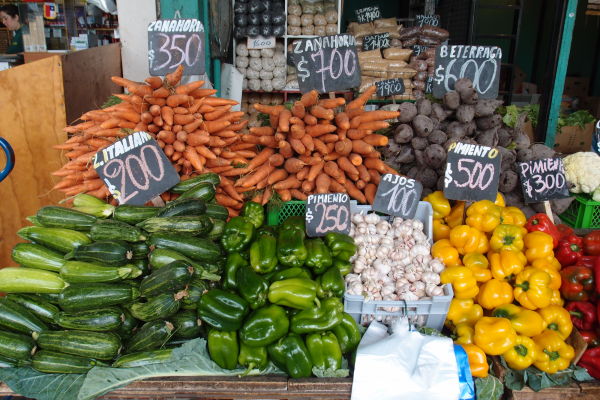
(582, 213)
(276, 215)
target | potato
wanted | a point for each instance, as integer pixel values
(435, 156)
(424, 107)
(488, 137)
(508, 181)
(485, 123)
(438, 112)
(403, 133)
(540, 151)
(465, 113)
(419, 143)
(486, 107)
(451, 100)
(437, 137)
(408, 111)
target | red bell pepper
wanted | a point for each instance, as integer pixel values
(540, 222)
(569, 250)
(577, 283)
(591, 338)
(587, 261)
(583, 314)
(591, 243)
(596, 270)
(564, 230)
(591, 361)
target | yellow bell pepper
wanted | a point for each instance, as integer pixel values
(457, 214)
(479, 265)
(554, 354)
(445, 251)
(462, 280)
(556, 299)
(532, 289)
(483, 215)
(507, 237)
(525, 322)
(500, 200)
(463, 311)
(539, 245)
(440, 229)
(546, 265)
(468, 240)
(522, 354)
(477, 360)
(513, 216)
(463, 333)
(506, 264)
(439, 203)
(557, 319)
(494, 335)
(494, 293)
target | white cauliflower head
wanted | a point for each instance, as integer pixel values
(583, 171)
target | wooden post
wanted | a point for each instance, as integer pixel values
(548, 210)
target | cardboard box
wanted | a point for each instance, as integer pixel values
(576, 87)
(572, 139)
(529, 88)
(528, 130)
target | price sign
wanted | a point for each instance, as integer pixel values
(329, 212)
(472, 172)
(390, 87)
(175, 42)
(378, 41)
(367, 14)
(135, 169)
(261, 42)
(543, 180)
(429, 84)
(398, 196)
(418, 49)
(481, 64)
(326, 63)
(433, 20)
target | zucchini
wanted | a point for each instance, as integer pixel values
(128, 325)
(196, 248)
(170, 278)
(151, 335)
(192, 225)
(83, 272)
(202, 191)
(158, 307)
(187, 324)
(134, 214)
(142, 266)
(114, 253)
(184, 186)
(83, 296)
(195, 290)
(100, 319)
(217, 211)
(143, 358)
(140, 250)
(6, 362)
(217, 230)
(36, 305)
(116, 230)
(61, 240)
(29, 280)
(100, 345)
(53, 362)
(161, 257)
(16, 346)
(92, 205)
(33, 255)
(62, 217)
(34, 221)
(16, 317)
(51, 298)
(183, 208)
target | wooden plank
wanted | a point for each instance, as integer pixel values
(32, 120)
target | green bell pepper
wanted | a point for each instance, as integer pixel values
(252, 358)
(345, 267)
(237, 235)
(222, 310)
(252, 287)
(347, 333)
(263, 254)
(324, 350)
(295, 292)
(264, 326)
(223, 348)
(318, 318)
(330, 284)
(318, 255)
(254, 212)
(294, 223)
(291, 355)
(233, 263)
(266, 230)
(288, 273)
(341, 246)
(291, 251)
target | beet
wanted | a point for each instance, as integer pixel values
(422, 125)
(407, 112)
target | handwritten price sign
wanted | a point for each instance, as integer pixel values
(367, 14)
(329, 212)
(378, 41)
(175, 42)
(433, 20)
(543, 180)
(390, 87)
(398, 196)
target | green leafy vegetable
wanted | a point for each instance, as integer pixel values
(538, 380)
(111, 101)
(489, 388)
(579, 118)
(511, 115)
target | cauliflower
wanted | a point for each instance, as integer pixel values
(583, 171)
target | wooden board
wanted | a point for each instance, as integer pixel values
(575, 391)
(32, 120)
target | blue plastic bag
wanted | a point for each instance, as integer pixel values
(465, 380)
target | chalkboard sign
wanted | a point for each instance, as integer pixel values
(329, 212)
(175, 42)
(472, 172)
(367, 14)
(481, 64)
(433, 20)
(429, 84)
(135, 169)
(418, 49)
(543, 180)
(390, 87)
(326, 63)
(398, 196)
(378, 41)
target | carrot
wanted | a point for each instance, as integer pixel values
(329, 138)
(161, 93)
(376, 140)
(215, 141)
(331, 169)
(284, 194)
(233, 212)
(318, 130)
(360, 147)
(274, 120)
(268, 141)
(216, 101)
(175, 100)
(118, 80)
(363, 173)
(217, 113)
(285, 149)
(360, 184)
(297, 121)
(342, 121)
(225, 200)
(266, 195)
(196, 105)
(374, 125)
(310, 98)
(293, 165)
(298, 110)
(284, 120)
(197, 139)
(268, 109)
(355, 159)
(231, 192)
(355, 192)
(127, 125)
(336, 187)
(310, 119)
(174, 77)
(192, 156)
(248, 138)
(308, 186)
(238, 125)
(356, 134)
(166, 113)
(276, 176)
(205, 152)
(301, 175)
(320, 146)
(234, 116)
(360, 101)
(370, 191)
(390, 170)
(346, 166)
(166, 136)
(322, 183)
(276, 160)
(378, 115)
(343, 147)
(314, 171)
(258, 175)
(297, 131)
(307, 141)
(235, 172)
(101, 193)
(296, 194)
(332, 103)
(188, 87)
(262, 131)
(155, 110)
(154, 81)
(231, 140)
(297, 145)
(169, 150)
(322, 113)
(183, 119)
(215, 126)
(376, 164)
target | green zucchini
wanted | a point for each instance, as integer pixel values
(140, 250)
(33, 255)
(16, 346)
(16, 317)
(114, 253)
(6, 362)
(217, 211)
(36, 305)
(134, 214)
(61, 240)
(161, 257)
(99, 319)
(62, 217)
(143, 358)
(187, 324)
(152, 335)
(157, 307)
(51, 298)
(142, 265)
(83, 272)
(202, 191)
(128, 325)
(192, 225)
(53, 362)
(217, 230)
(183, 208)
(186, 185)
(196, 248)
(100, 345)
(29, 280)
(195, 290)
(110, 229)
(83, 296)
(170, 278)
(174, 343)
(34, 221)
(92, 205)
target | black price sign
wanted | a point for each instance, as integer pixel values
(398, 196)
(543, 180)
(329, 212)
(429, 84)
(367, 14)
(472, 172)
(418, 49)
(378, 41)
(433, 20)
(326, 63)
(135, 169)
(175, 42)
(481, 64)
(390, 87)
